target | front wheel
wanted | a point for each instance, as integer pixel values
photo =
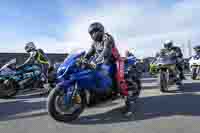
(59, 111)
(163, 81)
(194, 73)
(8, 89)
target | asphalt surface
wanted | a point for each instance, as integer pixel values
(174, 112)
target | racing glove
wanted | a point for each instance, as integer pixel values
(93, 65)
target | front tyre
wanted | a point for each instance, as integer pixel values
(59, 111)
(163, 81)
(8, 89)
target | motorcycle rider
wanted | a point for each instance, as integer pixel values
(129, 55)
(169, 47)
(101, 50)
(37, 56)
(102, 45)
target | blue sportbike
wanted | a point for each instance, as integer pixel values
(76, 77)
(12, 80)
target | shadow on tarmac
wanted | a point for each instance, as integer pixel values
(185, 104)
(10, 110)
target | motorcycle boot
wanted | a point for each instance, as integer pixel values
(182, 76)
(130, 108)
(130, 103)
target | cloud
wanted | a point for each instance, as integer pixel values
(143, 26)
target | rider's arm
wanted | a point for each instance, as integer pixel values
(90, 52)
(107, 51)
(43, 54)
(30, 59)
(178, 52)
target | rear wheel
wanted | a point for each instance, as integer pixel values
(59, 111)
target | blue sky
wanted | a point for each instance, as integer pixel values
(32, 18)
(61, 25)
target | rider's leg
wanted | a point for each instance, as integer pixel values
(109, 70)
(134, 88)
(46, 85)
(45, 72)
(130, 105)
(103, 70)
(180, 68)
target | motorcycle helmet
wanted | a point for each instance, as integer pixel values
(197, 48)
(129, 52)
(30, 46)
(168, 44)
(96, 31)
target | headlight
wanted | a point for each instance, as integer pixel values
(172, 67)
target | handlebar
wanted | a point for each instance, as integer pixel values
(84, 63)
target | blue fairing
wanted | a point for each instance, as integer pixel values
(68, 62)
(131, 60)
(96, 80)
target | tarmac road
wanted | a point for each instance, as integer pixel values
(175, 112)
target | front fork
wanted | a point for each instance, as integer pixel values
(70, 93)
(172, 74)
(198, 70)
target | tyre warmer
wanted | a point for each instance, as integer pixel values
(120, 72)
